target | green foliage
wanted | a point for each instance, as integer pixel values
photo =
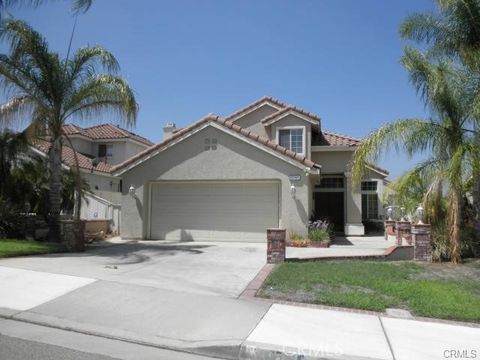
(77, 5)
(379, 285)
(295, 236)
(12, 221)
(14, 247)
(442, 86)
(319, 235)
(45, 91)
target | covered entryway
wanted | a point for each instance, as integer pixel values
(330, 206)
(213, 210)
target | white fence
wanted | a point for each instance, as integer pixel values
(97, 208)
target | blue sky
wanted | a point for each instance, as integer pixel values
(339, 59)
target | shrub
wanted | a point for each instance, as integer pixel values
(373, 226)
(295, 236)
(319, 225)
(319, 235)
(319, 230)
(12, 222)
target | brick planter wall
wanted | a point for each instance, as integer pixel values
(422, 242)
(276, 239)
(404, 232)
(72, 234)
(389, 228)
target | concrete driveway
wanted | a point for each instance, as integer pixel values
(222, 269)
(173, 295)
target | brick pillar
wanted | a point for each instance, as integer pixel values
(276, 246)
(421, 241)
(403, 232)
(72, 234)
(388, 228)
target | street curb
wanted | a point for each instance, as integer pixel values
(215, 351)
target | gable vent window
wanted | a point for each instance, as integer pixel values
(291, 139)
(210, 144)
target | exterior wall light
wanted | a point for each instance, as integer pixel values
(131, 191)
(420, 213)
(293, 190)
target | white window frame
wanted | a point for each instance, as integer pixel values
(371, 192)
(107, 146)
(304, 137)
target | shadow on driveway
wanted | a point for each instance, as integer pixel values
(133, 252)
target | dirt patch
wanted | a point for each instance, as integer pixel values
(470, 270)
(312, 294)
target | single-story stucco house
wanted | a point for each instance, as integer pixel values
(268, 165)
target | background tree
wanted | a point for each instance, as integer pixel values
(49, 91)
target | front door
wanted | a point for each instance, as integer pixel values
(330, 206)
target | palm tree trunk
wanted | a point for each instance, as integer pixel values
(476, 203)
(455, 216)
(55, 194)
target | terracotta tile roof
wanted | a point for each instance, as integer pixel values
(269, 119)
(280, 104)
(70, 129)
(228, 124)
(334, 139)
(378, 168)
(105, 132)
(238, 113)
(68, 157)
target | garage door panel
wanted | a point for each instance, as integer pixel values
(213, 211)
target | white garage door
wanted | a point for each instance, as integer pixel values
(213, 211)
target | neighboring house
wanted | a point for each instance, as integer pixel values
(268, 165)
(98, 149)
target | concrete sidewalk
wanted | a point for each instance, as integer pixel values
(345, 247)
(287, 332)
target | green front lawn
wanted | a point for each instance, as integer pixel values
(432, 290)
(14, 247)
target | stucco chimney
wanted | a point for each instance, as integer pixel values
(168, 130)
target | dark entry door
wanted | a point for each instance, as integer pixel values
(330, 205)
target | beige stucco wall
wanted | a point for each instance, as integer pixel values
(81, 145)
(101, 182)
(132, 148)
(233, 160)
(252, 121)
(293, 121)
(333, 162)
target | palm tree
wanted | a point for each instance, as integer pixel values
(77, 5)
(11, 145)
(441, 137)
(47, 91)
(454, 32)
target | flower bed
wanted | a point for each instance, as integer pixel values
(319, 236)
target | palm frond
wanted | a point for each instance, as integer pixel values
(15, 111)
(103, 93)
(87, 61)
(409, 135)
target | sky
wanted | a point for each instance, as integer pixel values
(339, 59)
